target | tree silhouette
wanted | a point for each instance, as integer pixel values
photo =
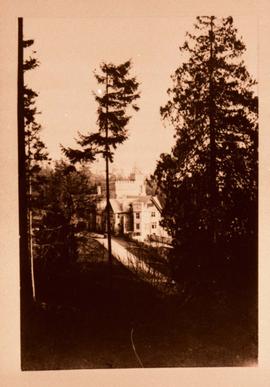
(211, 174)
(35, 149)
(34, 153)
(117, 93)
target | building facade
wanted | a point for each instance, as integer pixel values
(133, 213)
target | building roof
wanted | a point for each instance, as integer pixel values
(139, 198)
(123, 204)
(116, 205)
(157, 203)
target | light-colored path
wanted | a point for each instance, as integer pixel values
(136, 265)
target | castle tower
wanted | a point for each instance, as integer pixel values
(133, 186)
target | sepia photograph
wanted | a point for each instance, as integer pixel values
(138, 192)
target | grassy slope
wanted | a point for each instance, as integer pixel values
(85, 325)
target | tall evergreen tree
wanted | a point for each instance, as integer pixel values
(35, 149)
(209, 182)
(118, 92)
(25, 270)
(35, 152)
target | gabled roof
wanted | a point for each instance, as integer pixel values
(123, 205)
(116, 205)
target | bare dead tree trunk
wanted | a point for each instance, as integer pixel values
(30, 236)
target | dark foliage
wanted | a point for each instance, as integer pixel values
(71, 190)
(56, 247)
(35, 149)
(120, 92)
(214, 112)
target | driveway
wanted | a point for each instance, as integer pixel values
(136, 265)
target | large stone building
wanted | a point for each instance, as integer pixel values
(133, 212)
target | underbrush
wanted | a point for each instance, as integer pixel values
(85, 323)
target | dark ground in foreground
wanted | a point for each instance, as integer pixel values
(84, 324)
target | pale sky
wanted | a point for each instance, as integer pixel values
(70, 49)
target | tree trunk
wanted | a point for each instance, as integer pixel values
(212, 177)
(25, 270)
(30, 236)
(108, 194)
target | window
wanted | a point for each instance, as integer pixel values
(137, 226)
(154, 225)
(153, 214)
(137, 215)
